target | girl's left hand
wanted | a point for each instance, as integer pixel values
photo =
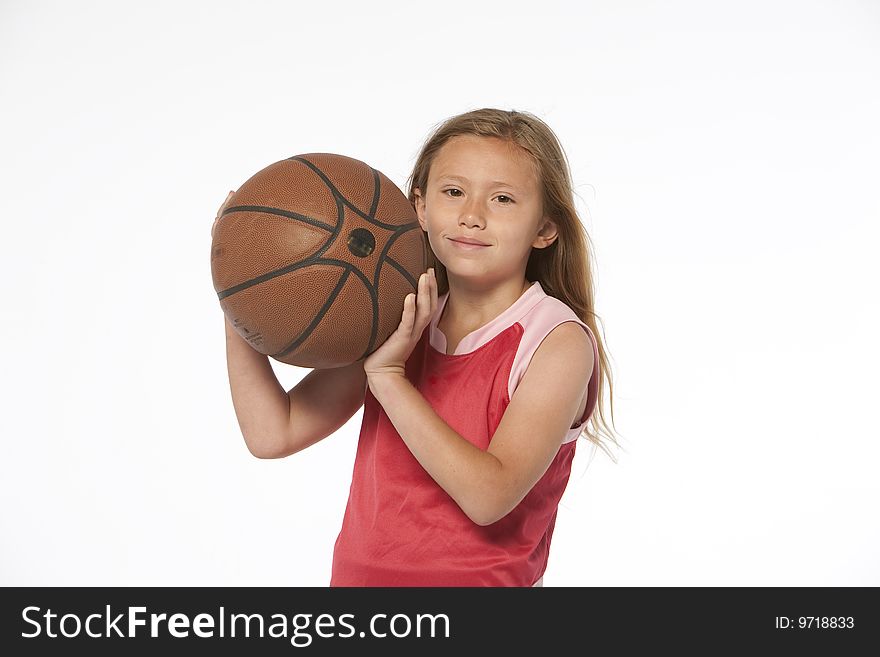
(418, 309)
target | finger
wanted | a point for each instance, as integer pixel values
(424, 301)
(431, 292)
(415, 326)
(220, 211)
(409, 312)
(225, 202)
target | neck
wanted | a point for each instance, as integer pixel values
(470, 307)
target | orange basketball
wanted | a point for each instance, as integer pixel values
(312, 259)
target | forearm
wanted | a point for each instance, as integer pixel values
(467, 473)
(261, 403)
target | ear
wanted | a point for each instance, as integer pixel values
(547, 234)
(420, 208)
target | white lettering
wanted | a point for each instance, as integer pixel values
(202, 623)
(77, 624)
(373, 626)
(24, 616)
(134, 621)
(154, 624)
(89, 626)
(113, 624)
(49, 616)
(176, 623)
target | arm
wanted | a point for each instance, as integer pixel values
(275, 423)
(487, 485)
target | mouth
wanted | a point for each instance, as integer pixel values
(467, 244)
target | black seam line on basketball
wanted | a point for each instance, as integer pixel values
(312, 259)
(316, 259)
(412, 282)
(374, 299)
(279, 212)
(351, 269)
(376, 191)
(317, 318)
(383, 255)
(403, 271)
(363, 215)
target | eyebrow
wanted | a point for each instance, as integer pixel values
(463, 179)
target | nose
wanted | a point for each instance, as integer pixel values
(472, 216)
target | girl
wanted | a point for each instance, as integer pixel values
(472, 407)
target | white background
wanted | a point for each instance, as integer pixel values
(725, 158)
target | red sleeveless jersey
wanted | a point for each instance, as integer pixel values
(400, 527)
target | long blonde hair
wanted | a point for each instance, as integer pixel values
(564, 268)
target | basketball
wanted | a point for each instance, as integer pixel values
(313, 257)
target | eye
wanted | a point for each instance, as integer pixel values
(507, 197)
(451, 189)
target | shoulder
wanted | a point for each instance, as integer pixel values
(567, 347)
(551, 331)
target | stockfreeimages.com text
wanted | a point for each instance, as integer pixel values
(301, 629)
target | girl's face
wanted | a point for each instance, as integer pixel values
(484, 189)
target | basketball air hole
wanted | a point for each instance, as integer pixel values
(361, 242)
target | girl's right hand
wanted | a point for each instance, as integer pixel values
(220, 211)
